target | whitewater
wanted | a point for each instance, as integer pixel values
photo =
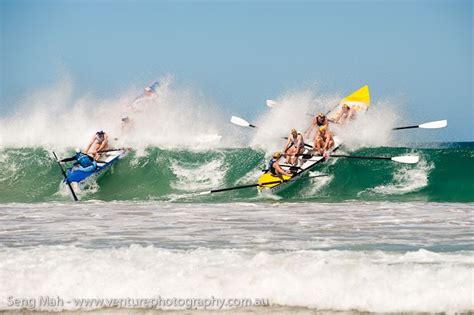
(376, 257)
(371, 236)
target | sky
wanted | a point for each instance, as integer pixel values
(239, 53)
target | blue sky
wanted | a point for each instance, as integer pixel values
(240, 53)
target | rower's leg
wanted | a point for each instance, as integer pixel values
(290, 154)
(319, 145)
(331, 144)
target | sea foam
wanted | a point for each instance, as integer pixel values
(376, 281)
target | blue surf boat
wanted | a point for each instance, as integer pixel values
(75, 175)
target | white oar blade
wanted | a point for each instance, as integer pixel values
(205, 193)
(408, 159)
(271, 103)
(239, 121)
(434, 124)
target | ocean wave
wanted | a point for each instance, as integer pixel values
(32, 175)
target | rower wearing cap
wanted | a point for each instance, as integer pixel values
(345, 114)
(323, 141)
(319, 120)
(274, 166)
(99, 142)
(294, 146)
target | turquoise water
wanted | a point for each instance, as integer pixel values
(444, 174)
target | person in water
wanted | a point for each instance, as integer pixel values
(323, 141)
(274, 166)
(150, 93)
(84, 162)
(319, 120)
(347, 113)
(99, 142)
(294, 146)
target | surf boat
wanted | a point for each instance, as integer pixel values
(270, 183)
(105, 162)
(358, 103)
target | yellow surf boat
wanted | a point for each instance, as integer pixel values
(269, 183)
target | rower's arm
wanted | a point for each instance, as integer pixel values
(338, 117)
(287, 144)
(104, 143)
(89, 145)
(73, 158)
(328, 140)
(300, 142)
(280, 170)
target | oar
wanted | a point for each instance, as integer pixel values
(305, 144)
(243, 123)
(271, 103)
(429, 125)
(408, 159)
(112, 150)
(65, 177)
(286, 165)
(252, 185)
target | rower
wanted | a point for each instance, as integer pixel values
(84, 162)
(151, 89)
(294, 146)
(99, 142)
(347, 113)
(323, 141)
(319, 120)
(274, 166)
(150, 94)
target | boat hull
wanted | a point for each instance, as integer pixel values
(286, 181)
(108, 159)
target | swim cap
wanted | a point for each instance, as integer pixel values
(276, 155)
(77, 150)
